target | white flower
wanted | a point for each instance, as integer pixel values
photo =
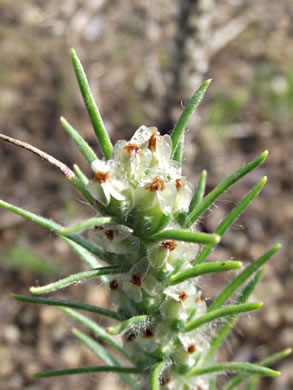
(172, 254)
(160, 146)
(115, 239)
(184, 194)
(139, 279)
(155, 190)
(133, 159)
(108, 182)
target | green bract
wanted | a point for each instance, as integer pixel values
(144, 245)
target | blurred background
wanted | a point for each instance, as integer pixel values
(144, 59)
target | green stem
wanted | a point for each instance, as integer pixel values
(95, 117)
(208, 268)
(82, 177)
(220, 313)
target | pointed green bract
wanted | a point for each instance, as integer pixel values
(97, 329)
(234, 366)
(178, 154)
(237, 380)
(155, 376)
(199, 192)
(105, 356)
(82, 145)
(220, 313)
(184, 235)
(87, 224)
(242, 277)
(215, 193)
(224, 329)
(186, 114)
(132, 322)
(202, 269)
(231, 218)
(74, 279)
(87, 370)
(70, 304)
(97, 122)
(82, 177)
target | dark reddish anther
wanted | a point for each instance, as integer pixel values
(130, 337)
(191, 348)
(98, 228)
(179, 183)
(109, 234)
(114, 284)
(101, 177)
(183, 296)
(197, 300)
(164, 381)
(156, 185)
(169, 244)
(153, 142)
(148, 333)
(133, 148)
(136, 280)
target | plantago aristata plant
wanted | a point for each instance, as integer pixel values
(145, 246)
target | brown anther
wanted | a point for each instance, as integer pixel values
(156, 185)
(164, 381)
(169, 244)
(148, 333)
(109, 234)
(198, 388)
(130, 337)
(191, 348)
(182, 296)
(113, 284)
(179, 183)
(197, 300)
(133, 148)
(153, 142)
(98, 228)
(136, 280)
(101, 177)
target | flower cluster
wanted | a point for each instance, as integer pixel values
(142, 179)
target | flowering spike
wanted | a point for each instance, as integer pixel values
(97, 122)
(143, 228)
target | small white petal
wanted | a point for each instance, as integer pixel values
(132, 291)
